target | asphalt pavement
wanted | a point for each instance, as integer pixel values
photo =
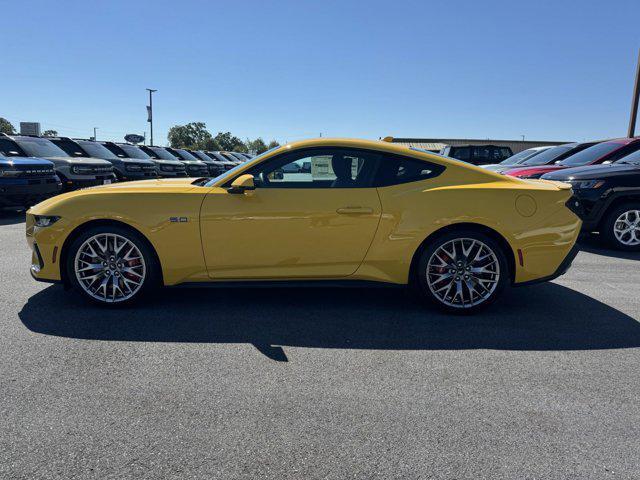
(321, 383)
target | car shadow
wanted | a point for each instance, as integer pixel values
(11, 217)
(592, 243)
(540, 317)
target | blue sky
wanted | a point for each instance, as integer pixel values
(292, 69)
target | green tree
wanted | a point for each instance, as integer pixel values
(228, 142)
(50, 133)
(6, 127)
(256, 146)
(272, 144)
(192, 135)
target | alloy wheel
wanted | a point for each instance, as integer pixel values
(463, 272)
(626, 228)
(110, 267)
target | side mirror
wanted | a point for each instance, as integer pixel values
(242, 184)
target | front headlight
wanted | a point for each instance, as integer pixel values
(45, 220)
(133, 168)
(585, 184)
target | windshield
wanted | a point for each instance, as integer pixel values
(217, 156)
(202, 156)
(185, 155)
(547, 156)
(162, 153)
(230, 173)
(40, 147)
(520, 157)
(134, 152)
(96, 150)
(633, 158)
(591, 154)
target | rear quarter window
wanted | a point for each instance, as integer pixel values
(397, 170)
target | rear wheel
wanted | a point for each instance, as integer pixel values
(462, 271)
(111, 265)
(621, 227)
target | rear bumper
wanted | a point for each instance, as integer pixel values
(561, 270)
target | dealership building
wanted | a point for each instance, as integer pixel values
(436, 144)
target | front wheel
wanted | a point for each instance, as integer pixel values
(462, 272)
(621, 227)
(111, 265)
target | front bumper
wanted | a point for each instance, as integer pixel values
(126, 175)
(21, 192)
(88, 181)
(197, 171)
(590, 205)
(45, 254)
(173, 174)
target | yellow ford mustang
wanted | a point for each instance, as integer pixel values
(317, 211)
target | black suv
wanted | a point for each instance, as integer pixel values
(195, 167)
(607, 199)
(74, 172)
(125, 169)
(166, 168)
(216, 167)
(477, 154)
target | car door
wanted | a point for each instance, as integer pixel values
(297, 223)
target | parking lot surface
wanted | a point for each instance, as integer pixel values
(321, 383)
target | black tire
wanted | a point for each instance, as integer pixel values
(492, 284)
(608, 227)
(151, 269)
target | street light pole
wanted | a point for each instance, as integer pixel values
(634, 101)
(150, 112)
(95, 137)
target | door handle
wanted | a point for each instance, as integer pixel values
(354, 210)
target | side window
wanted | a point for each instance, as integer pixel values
(317, 168)
(69, 147)
(10, 149)
(624, 151)
(482, 154)
(395, 170)
(461, 153)
(505, 153)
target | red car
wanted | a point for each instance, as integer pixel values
(604, 152)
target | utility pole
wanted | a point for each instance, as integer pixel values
(95, 137)
(634, 101)
(150, 112)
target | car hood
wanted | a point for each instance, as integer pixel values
(193, 162)
(593, 172)
(81, 161)
(159, 186)
(26, 161)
